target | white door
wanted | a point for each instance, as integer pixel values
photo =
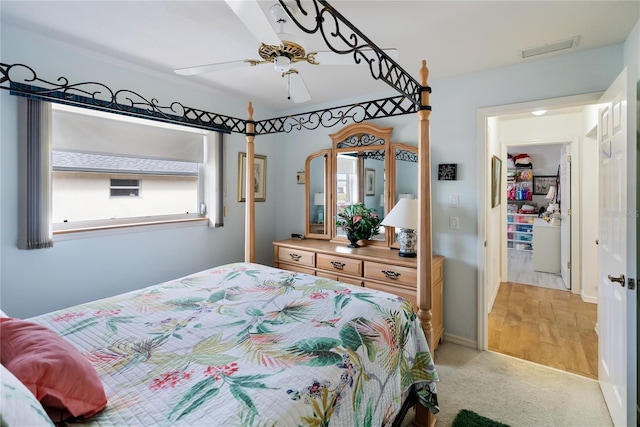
(564, 196)
(617, 238)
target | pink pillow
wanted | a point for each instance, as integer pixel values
(51, 368)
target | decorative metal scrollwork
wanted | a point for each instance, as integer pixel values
(357, 113)
(23, 80)
(361, 140)
(407, 156)
(373, 155)
(342, 37)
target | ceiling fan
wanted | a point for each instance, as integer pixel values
(278, 48)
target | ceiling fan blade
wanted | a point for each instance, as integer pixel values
(201, 69)
(298, 88)
(332, 58)
(253, 17)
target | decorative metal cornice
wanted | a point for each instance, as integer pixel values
(374, 155)
(22, 80)
(406, 155)
(361, 140)
(342, 37)
(357, 113)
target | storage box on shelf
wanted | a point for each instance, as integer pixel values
(520, 231)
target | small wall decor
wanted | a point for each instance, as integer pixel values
(259, 177)
(447, 171)
(496, 181)
(300, 177)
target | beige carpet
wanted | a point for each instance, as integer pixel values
(514, 391)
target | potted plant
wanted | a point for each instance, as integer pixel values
(359, 222)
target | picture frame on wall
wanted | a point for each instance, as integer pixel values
(542, 184)
(259, 177)
(369, 182)
(496, 181)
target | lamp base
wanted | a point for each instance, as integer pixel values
(407, 254)
(407, 239)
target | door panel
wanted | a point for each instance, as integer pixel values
(617, 250)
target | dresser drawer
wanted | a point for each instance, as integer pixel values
(296, 256)
(344, 279)
(406, 293)
(390, 273)
(296, 268)
(340, 265)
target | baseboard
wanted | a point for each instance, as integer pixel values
(459, 340)
(592, 300)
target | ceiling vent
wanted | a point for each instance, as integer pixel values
(550, 47)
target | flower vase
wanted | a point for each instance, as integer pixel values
(353, 240)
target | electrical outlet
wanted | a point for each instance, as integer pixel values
(454, 222)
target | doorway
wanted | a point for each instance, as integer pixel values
(508, 297)
(535, 204)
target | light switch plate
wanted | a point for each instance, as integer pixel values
(455, 201)
(454, 222)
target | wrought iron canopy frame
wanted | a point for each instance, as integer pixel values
(339, 35)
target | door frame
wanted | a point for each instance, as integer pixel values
(484, 188)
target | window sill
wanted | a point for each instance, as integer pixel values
(85, 231)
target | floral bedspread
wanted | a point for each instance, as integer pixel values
(249, 345)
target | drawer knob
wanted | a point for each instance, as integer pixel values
(391, 274)
(338, 265)
(295, 257)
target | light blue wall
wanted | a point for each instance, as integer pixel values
(83, 269)
(454, 139)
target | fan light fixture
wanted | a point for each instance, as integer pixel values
(281, 64)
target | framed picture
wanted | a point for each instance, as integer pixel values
(542, 183)
(369, 182)
(300, 177)
(447, 171)
(259, 177)
(496, 181)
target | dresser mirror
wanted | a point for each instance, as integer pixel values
(317, 194)
(362, 166)
(404, 169)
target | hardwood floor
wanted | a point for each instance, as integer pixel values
(547, 326)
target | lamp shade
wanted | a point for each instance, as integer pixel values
(318, 199)
(403, 215)
(551, 194)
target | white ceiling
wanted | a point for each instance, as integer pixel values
(455, 37)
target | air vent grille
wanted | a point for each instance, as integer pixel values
(550, 47)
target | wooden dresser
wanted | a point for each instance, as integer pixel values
(372, 267)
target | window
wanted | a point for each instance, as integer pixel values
(125, 187)
(111, 170)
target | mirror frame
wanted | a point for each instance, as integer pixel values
(351, 136)
(327, 195)
(393, 189)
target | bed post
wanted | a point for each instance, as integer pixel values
(249, 218)
(423, 417)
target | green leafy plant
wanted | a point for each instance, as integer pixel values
(359, 221)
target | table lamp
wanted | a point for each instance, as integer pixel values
(404, 216)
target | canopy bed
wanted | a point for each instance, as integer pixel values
(216, 289)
